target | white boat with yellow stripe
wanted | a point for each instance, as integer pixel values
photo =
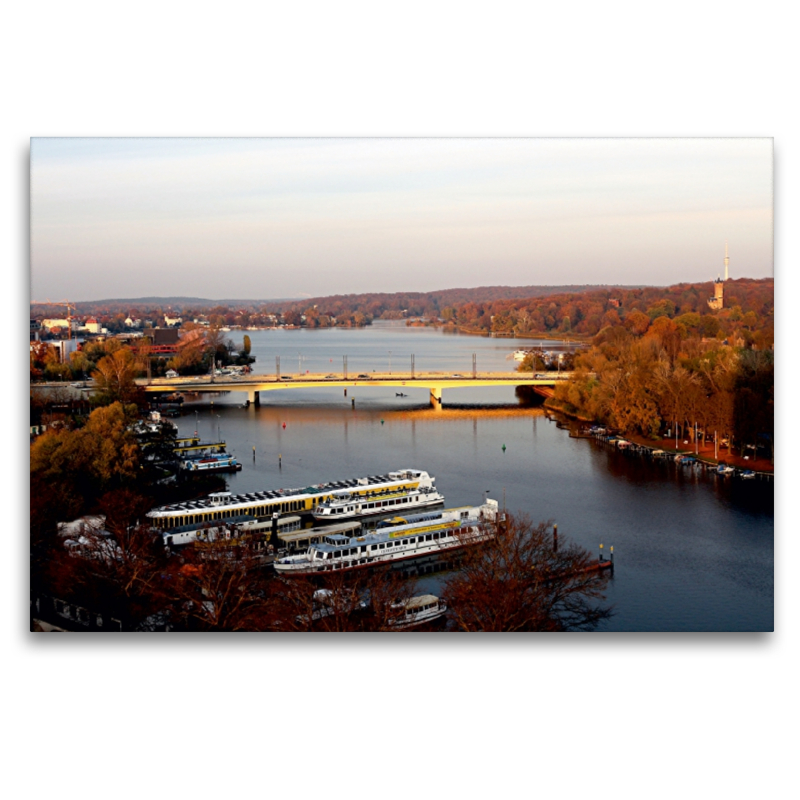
(225, 507)
(397, 539)
(396, 495)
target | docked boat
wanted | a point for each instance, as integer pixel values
(349, 504)
(233, 533)
(214, 462)
(262, 506)
(747, 474)
(416, 611)
(397, 540)
(725, 469)
(328, 603)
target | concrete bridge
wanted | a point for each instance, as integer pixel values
(435, 382)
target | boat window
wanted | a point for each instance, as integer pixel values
(337, 553)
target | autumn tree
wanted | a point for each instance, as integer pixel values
(521, 581)
(222, 588)
(73, 468)
(115, 377)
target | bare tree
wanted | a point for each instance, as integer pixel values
(520, 581)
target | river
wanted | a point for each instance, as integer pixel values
(693, 551)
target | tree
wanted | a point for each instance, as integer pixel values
(222, 589)
(80, 465)
(115, 377)
(346, 601)
(521, 581)
(637, 322)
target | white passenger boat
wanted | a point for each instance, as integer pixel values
(233, 532)
(214, 462)
(416, 611)
(226, 507)
(397, 540)
(347, 504)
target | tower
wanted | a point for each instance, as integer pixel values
(726, 261)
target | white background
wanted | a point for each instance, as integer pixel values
(611, 715)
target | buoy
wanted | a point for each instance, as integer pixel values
(381, 422)
(504, 448)
(284, 425)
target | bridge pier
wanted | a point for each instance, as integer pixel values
(436, 396)
(254, 397)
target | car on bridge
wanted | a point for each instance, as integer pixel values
(331, 377)
(364, 377)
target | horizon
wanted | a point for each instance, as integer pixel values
(298, 299)
(335, 215)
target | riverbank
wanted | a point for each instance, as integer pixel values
(702, 451)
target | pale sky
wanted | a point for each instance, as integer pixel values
(276, 218)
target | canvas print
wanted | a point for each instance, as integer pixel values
(401, 385)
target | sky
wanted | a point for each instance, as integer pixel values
(300, 217)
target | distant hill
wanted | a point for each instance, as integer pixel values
(438, 298)
(447, 297)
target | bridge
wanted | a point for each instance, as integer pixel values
(435, 382)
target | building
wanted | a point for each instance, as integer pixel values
(63, 324)
(92, 325)
(716, 302)
(64, 347)
(162, 336)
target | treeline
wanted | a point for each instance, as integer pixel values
(748, 308)
(401, 305)
(650, 377)
(341, 310)
(513, 311)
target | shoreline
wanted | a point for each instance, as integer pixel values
(704, 453)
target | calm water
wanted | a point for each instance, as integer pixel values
(692, 551)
